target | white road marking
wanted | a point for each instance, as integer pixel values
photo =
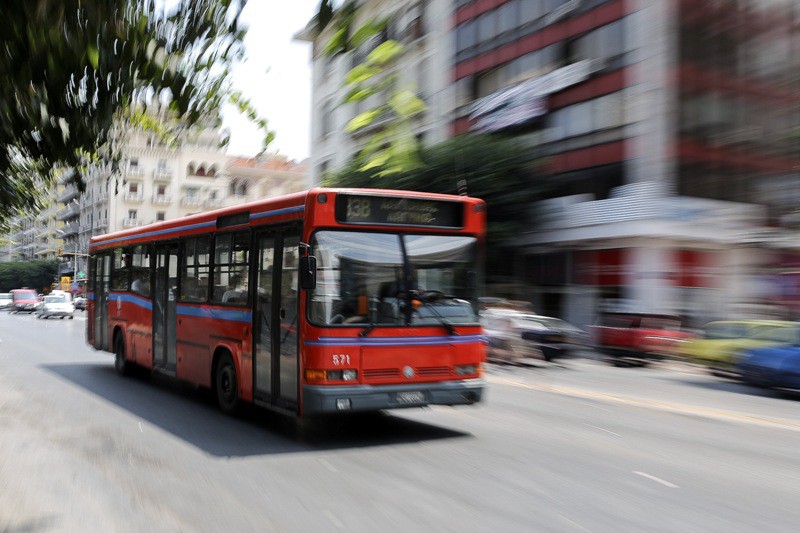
(574, 523)
(328, 465)
(656, 479)
(595, 406)
(335, 521)
(603, 429)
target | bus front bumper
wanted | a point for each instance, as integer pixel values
(335, 399)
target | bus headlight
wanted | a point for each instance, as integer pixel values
(463, 370)
(342, 375)
(331, 375)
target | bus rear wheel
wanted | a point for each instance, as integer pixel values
(120, 363)
(227, 385)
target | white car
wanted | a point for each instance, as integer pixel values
(56, 305)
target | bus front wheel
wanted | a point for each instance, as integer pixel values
(227, 385)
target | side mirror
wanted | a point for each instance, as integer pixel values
(308, 272)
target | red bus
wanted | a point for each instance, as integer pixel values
(324, 301)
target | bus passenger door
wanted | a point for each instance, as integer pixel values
(288, 366)
(102, 274)
(275, 377)
(262, 316)
(164, 294)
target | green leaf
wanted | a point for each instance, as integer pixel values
(337, 43)
(94, 56)
(361, 73)
(367, 30)
(406, 104)
(384, 53)
(359, 94)
(364, 119)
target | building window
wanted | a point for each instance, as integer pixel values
(162, 164)
(466, 35)
(132, 214)
(327, 118)
(134, 162)
(133, 187)
(160, 216)
(162, 190)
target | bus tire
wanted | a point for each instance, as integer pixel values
(227, 385)
(121, 365)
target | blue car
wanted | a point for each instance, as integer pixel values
(776, 367)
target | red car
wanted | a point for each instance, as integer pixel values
(25, 300)
(638, 338)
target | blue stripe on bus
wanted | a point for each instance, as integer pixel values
(131, 299)
(398, 341)
(277, 212)
(160, 232)
(229, 315)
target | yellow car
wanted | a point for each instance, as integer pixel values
(722, 343)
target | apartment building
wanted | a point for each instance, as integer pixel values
(423, 28)
(252, 178)
(669, 134)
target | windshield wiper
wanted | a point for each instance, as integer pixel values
(367, 330)
(427, 298)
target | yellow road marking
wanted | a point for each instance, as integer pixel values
(653, 404)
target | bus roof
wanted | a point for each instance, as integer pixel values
(277, 209)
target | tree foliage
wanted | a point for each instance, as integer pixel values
(37, 275)
(499, 170)
(391, 146)
(71, 68)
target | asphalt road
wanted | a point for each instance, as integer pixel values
(578, 446)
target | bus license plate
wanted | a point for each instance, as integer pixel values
(411, 397)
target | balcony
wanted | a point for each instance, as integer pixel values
(132, 222)
(162, 174)
(71, 211)
(70, 192)
(101, 197)
(45, 249)
(86, 228)
(134, 172)
(191, 201)
(162, 199)
(134, 197)
(101, 223)
(212, 202)
(70, 229)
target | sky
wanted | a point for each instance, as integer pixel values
(276, 76)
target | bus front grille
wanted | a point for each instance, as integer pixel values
(381, 373)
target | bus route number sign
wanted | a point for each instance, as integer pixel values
(394, 211)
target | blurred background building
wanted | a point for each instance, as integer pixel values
(423, 27)
(669, 136)
(155, 182)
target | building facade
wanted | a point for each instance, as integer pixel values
(423, 28)
(669, 135)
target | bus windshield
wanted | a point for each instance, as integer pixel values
(370, 278)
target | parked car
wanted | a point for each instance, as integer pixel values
(56, 305)
(638, 338)
(723, 342)
(79, 302)
(515, 336)
(6, 301)
(776, 367)
(25, 300)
